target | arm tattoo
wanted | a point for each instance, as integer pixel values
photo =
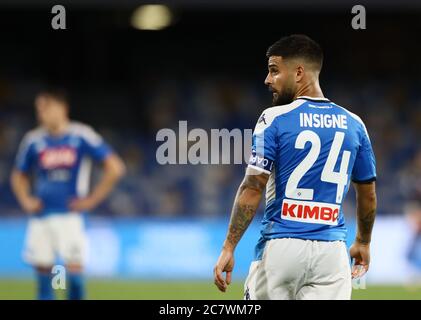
(241, 217)
(366, 211)
(365, 227)
(245, 206)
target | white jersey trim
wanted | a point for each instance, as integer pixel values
(313, 98)
(82, 182)
(86, 132)
(258, 168)
(270, 114)
(32, 136)
(271, 188)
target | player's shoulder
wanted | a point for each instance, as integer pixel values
(271, 114)
(276, 111)
(34, 135)
(84, 131)
(351, 114)
(354, 117)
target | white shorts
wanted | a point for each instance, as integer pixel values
(55, 236)
(300, 269)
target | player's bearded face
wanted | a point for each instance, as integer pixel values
(285, 95)
(280, 81)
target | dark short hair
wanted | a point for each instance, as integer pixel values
(57, 93)
(297, 46)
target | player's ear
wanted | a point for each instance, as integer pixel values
(299, 73)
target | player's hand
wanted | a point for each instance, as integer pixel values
(31, 205)
(225, 263)
(361, 254)
(82, 204)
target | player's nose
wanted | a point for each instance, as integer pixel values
(268, 80)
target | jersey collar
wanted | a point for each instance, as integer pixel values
(316, 99)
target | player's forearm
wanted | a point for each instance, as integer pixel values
(246, 203)
(366, 214)
(20, 185)
(103, 189)
(365, 222)
(114, 169)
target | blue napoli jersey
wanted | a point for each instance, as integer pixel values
(61, 165)
(311, 149)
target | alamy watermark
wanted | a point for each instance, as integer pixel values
(359, 21)
(198, 146)
(58, 282)
(59, 20)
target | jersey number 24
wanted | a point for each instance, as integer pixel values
(328, 174)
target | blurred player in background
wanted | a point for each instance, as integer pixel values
(59, 154)
(305, 151)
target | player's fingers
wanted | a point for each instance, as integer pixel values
(355, 269)
(359, 270)
(229, 275)
(364, 270)
(75, 205)
(218, 276)
(34, 208)
(220, 286)
(354, 272)
(75, 201)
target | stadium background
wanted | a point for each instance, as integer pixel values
(159, 234)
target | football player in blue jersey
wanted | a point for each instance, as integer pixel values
(306, 151)
(58, 155)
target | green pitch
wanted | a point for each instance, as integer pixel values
(106, 289)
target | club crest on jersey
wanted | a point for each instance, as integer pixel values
(310, 212)
(60, 157)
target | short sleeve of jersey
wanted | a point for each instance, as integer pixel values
(25, 156)
(365, 163)
(263, 149)
(94, 145)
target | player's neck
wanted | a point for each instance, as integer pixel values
(312, 90)
(59, 129)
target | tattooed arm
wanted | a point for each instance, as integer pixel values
(246, 202)
(245, 205)
(366, 213)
